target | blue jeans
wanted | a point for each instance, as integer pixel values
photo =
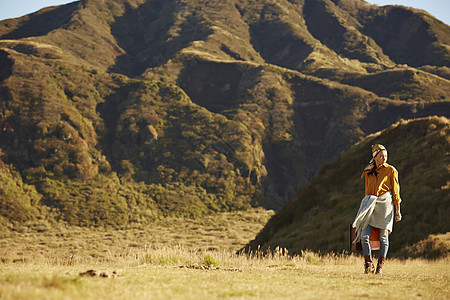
(384, 241)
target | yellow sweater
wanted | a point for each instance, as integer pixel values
(386, 180)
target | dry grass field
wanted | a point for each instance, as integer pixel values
(59, 243)
(195, 259)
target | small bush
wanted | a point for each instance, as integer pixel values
(209, 260)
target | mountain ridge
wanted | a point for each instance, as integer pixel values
(189, 107)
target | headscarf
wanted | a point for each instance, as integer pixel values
(377, 148)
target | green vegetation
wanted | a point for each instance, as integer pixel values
(19, 200)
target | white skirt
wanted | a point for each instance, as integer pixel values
(375, 211)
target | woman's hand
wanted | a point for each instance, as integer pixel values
(398, 214)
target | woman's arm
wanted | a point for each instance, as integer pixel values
(398, 215)
(396, 194)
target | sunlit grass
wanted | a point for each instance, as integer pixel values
(177, 273)
(195, 259)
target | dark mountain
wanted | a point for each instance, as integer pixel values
(115, 111)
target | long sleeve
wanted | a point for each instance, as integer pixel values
(395, 187)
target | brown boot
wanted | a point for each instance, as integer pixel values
(368, 264)
(380, 264)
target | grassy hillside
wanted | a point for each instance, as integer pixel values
(319, 215)
(19, 200)
(115, 112)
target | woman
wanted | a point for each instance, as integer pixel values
(377, 207)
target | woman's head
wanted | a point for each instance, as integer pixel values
(381, 158)
(379, 154)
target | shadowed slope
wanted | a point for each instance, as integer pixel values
(410, 36)
(318, 216)
(153, 33)
(39, 23)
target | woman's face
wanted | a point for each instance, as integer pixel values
(381, 157)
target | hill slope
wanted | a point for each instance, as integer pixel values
(118, 110)
(319, 215)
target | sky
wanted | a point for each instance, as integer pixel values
(16, 8)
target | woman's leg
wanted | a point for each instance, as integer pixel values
(384, 242)
(384, 247)
(365, 240)
(367, 251)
